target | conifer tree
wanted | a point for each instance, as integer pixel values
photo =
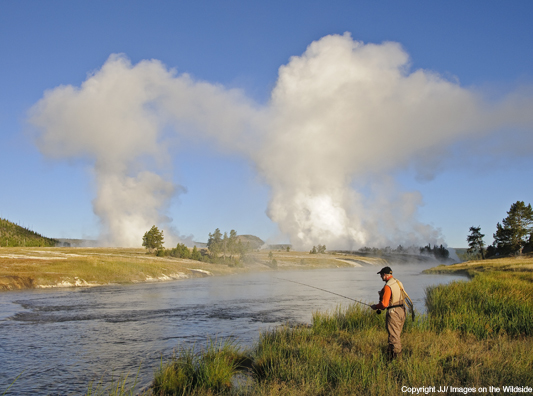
(225, 241)
(153, 239)
(475, 241)
(514, 234)
(232, 243)
(214, 244)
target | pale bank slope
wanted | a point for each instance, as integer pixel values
(26, 268)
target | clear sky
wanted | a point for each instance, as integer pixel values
(484, 47)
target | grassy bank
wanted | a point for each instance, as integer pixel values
(473, 267)
(476, 334)
(64, 267)
(24, 267)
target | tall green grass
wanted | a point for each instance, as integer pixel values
(490, 304)
(209, 371)
(344, 352)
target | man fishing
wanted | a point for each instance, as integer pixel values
(392, 298)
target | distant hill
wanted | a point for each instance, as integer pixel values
(255, 242)
(12, 235)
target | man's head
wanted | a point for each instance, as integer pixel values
(386, 273)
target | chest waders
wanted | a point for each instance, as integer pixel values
(399, 297)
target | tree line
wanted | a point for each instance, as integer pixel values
(226, 248)
(320, 249)
(221, 248)
(513, 236)
(439, 252)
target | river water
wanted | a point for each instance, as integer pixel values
(62, 339)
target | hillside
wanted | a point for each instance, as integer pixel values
(252, 240)
(12, 235)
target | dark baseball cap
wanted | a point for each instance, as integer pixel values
(385, 270)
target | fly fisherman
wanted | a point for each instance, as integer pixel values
(392, 298)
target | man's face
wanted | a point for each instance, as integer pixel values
(385, 277)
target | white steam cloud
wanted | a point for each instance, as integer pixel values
(342, 118)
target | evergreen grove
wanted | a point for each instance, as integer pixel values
(513, 236)
(221, 249)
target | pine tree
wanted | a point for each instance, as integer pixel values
(232, 243)
(153, 239)
(225, 242)
(214, 244)
(514, 234)
(475, 241)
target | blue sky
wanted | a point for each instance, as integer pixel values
(486, 45)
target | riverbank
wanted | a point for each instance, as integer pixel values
(103, 332)
(477, 337)
(471, 268)
(27, 268)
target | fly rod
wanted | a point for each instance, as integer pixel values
(327, 291)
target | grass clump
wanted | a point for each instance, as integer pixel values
(209, 372)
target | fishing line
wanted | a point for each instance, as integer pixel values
(324, 290)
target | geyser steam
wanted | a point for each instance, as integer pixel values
(342, 116)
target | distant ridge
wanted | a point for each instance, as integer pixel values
(255, 242)
(12, 235)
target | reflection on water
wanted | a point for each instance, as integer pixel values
(62, 340)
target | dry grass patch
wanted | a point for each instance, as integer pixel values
(305, 260)
(47, 267)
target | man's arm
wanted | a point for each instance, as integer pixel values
(385, 300)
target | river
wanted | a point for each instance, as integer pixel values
(62, 339)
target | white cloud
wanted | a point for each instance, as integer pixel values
(344, 115)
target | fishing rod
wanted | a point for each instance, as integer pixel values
(324, 290)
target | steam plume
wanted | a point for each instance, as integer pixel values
(342, 119)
